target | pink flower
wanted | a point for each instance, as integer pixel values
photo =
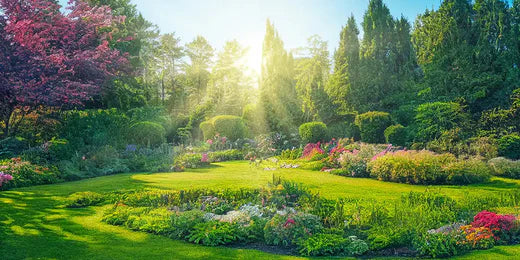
(224, 139)
(210, 142)
(204, 158)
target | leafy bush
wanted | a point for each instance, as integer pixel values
(156, 159)
(84, 199)
(232, 127)
(323, 245)
(396, 135)
(433, 119)
(286, 230)
(503, 167)
(183, 223)
(26, 174)
(94, 128)
(372, 126)
(291, 154)
(509, 146)
(147, 134)
(413, 167)
(467, 172)
(12, 147)
(313, 132)
(354, 163)
(214, 233)
(440, 244)
(227, 155)
(103, 161)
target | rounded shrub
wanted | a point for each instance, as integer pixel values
(231, 127)
(372, 126)
(396, 135)
(509, 146)
(433, 119)
(208, 130)
(313, 132)
(147, 133)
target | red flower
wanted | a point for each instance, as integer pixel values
(289, 222)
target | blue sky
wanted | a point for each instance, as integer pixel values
(244, 20)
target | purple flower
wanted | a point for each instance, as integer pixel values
(131, 148)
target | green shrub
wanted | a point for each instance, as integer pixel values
(439, 245)
(232, 127)
(372, 126)
(313, 132)
(183, 223)
(84, 199)
(12, 147)
(152, 220)
(509, 146)
(227, 155)
(413, 167)
(467, 172)
(286, 230)
(396, 135)
(433, 119)
(503, 167)
(208, 130)
(147, 134)
(357, 246)
(323, 245)
(291, 154)
(94, 127)
(214, 233)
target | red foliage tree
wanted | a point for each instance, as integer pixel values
(53, 59)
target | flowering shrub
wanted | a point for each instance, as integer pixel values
(18, 173)
(312, 151)
(4, 178)
(499, 224)
(354, 162)
(413, 167)
(285, 230)
(478, 237)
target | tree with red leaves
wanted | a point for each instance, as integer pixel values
(53, 59)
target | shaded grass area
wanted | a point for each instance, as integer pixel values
(34, 223)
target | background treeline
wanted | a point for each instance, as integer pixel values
(447, 84)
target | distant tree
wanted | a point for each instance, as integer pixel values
(312, 73)
(48, 58)
(197, 71)
(346, 66)
(278, 97)
(230, 87)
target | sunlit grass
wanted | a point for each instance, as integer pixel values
(34, 223)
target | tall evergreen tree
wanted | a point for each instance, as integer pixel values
(278, 98)
(346, 65)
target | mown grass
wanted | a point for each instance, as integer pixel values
(34, 223)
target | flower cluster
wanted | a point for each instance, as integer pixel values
(4, 178)
(478, 237)
(311, 150)
(493, 221)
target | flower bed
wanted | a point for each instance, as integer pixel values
(286, 215)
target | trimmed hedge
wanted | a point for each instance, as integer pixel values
(396, 135)
(147, 133)
(372, 126)
(313, 132)
(231, 127)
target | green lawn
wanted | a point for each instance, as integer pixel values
(34, 224)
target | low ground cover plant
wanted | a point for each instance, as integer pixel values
(286, 215)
